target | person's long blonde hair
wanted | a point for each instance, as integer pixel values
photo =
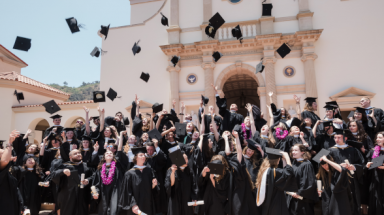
(253, 158)
(324, 175)
(267, 163)
(308, 107)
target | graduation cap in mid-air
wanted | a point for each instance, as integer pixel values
(181, 129)
(22, 43)
(216, 56)
(136, 48)
(164, 20)
(260, 67)
(104, 30)
(267, 9)
(144, 76)
(236, 32)
(216, 167)
(98, 96)
(273, 153)
(175, 60)
(19, 96)
(205, 99)
(283, 50)
(97, 51)
(112, 94)
(51, 107)
(157, 107)
(72, 24)
(322, 153)
(214, 23)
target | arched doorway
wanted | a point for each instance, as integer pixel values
(241, 89)
(38, 126)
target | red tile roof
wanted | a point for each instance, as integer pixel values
(60, 103)
(13, 54)
(13, 76)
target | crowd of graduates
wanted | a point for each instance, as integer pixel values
(162, 163)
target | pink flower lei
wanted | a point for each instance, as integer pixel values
(376, 153)
(280, 134)
(108, 180)
(245, 132)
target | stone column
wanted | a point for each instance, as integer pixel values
(303, 6)
(174, 28)
(310, 74)
(208, 80)
(270, 83)
(174, 82)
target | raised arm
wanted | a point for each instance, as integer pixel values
(214, 126)
(121, 139)
(270, 94)
(202, 124)
(87, 127)
(297, 99)
(333, 164)
(314, 129)
(227, 147)
(101, 114)
(201, 142)
(42, 146)
(372, 115)
(251, 120)
(151, 120)
(167, 131)
(158, 122)
(238, 146)
(182, 112)
(7, 153)
(272, 121)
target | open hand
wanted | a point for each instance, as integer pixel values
(67, 172)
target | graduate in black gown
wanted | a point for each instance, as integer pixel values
(93, 131)
(208, 117)
(180, 187)
(278, 114)
(119, 122)
(262, 137)
(297, 137)
(253, 157)
(33, 150)
(375, 178)
(335, 195)
(305, 181)
(324, 138)
(56, 128)
(53, 188)
(309, 108)
(86, 149)
(70, 141)
(370, 123)
(273, 182)
(140, 123)
(139, 187)
(357, 133)
(341, 152)
(373, 112)
(72, 198)
(10, 203)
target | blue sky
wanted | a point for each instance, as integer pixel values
(57, 55)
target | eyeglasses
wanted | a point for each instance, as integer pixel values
(110, 146)
(79, 121)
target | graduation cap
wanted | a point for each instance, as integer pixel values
(214, 23)
(267, 9)
(273, 153)
(181, 129)
(175, 59)
(310, 100)
(283, 50)
(351, 114)
(321, 154)
(97, 51)
(216, 56)
(177, 158)
(144, 76)
(52, 136)
(137, 150)
(164, 20)
(216, 167)
(112, 94)
(252, 144)
(205, 100)
(295, 122)
(72, 24)
(355, 144)
(95, 117)
(27, 157)
(19, 96)
(340, 131)
(260, 67)
(377, 161)
(104, 30)
(56, 116)
(85, 137)
(334, 103)
(328, 123)
(98, 96)
(330, 107)
(69, 129)
(111, 141)
(238, 128)
(236, 32)
(360, 110)
(157, 107)
(51, 107)
(22, 43)
(154, 134)
(136, 48)
(170, 117)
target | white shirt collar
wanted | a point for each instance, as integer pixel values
(187, 120)
(308, 127)
(355, 133)
(140, 167)
(296, 135)
(299, 159)
(30, 168)
(56, 125)
(331, 134)
(246, 127)
(341, 146)
(189, 132)
(172, 142)
(262, 135)
(193, 141)
(86, 149)
(148, 156)
(382, 148)
(211, 133)
(173, 149)
(69, 140)
(131, 145)
(107, 164)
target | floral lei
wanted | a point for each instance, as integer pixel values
(245, 132)
(376, 153)
(108, 180)
(280, 134)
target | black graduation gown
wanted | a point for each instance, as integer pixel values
(53, 188)
(208, 120)
(30, 190)
(263, 141)
(375, 184)
(87, 156)
(309, 114)
(182, 192)
(367, 143)
(277, 116)
(80, 132)
(119, 125)
(324, 141)
(278, 181)
(9, 198)
(65, 149)
(307, 188)
(49, 193)
(335, 198)
(137, 129)
(282, 144)
(137, 190)
(356, 180)
(379, 115)
(72, 200)
(252, 171)
(109, 194)
(48, 130)
(292, 140)
(229, 119)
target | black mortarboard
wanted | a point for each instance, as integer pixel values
(328, 123)
(52, 136)
(104, 31)
(216, 167)
(332, 103)
(68, 129)
(95, 52)
(25, 158)
(214, 23)
(360, 110)
(177, 158)
(283, 50)
(164, 20)
(51, 107)
(339, 131)
(205, 100)
(354, 143)
(321, 154)
(74, 179)
(111, 141)
(351, 114)
(136, 48)
(377, 161)
(22, 43)
(237, 128)
(137, 150)
(181, 129)
(216, 56)
(267, 9)
(85, 137)
(330, 107)
(144, 76)
(95, 117)
(112, 94)
(157, 107)
(175, 60)
(72, 24)
(273, 153)
(236, 32)
(154, 134)
(170, 117)
(310, 100)
(260, 67)
(19, 96)
(252, 144)
(98, 96)
(295, 122)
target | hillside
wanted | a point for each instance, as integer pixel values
(83, 92)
